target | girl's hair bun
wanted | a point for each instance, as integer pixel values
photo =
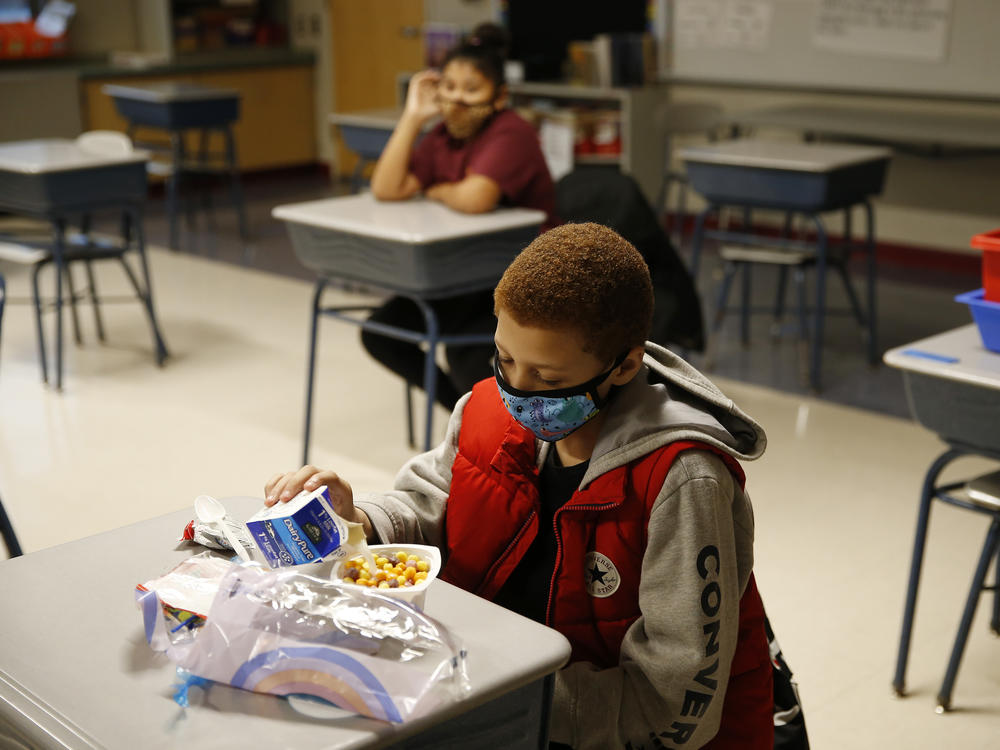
(491, 36)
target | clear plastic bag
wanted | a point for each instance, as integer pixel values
(284, 632)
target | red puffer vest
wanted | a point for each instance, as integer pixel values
(491, 521)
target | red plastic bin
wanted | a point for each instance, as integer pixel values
(989, 243)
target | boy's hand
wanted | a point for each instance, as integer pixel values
(283, 487)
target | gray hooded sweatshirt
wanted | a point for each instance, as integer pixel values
(700, 505)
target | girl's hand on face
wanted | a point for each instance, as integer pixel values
(421, 96)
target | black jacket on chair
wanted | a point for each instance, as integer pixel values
(608, 197)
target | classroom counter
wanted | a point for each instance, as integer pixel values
(101, 66)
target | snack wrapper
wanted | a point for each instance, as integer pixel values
(283, 632)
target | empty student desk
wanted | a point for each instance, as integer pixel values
(56, 180)
(792, 178)
(929, 133)
(953, 387)
(76, 671)
(418, 249)
(180, 107)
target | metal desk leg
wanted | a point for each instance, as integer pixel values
(430, 366)
(133, 218)
(747, 276)
(696, 240)
(989, 550)
(173, 184)
(235, 189)
(995, 622)
(822, 243)
(95, 302)
(919, 541)
(317, 295)
(873, 357)
(39, 327)
(59, 259)
(8, 535)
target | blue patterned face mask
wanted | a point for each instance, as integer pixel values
(552, 415)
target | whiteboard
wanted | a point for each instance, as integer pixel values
(781, 45)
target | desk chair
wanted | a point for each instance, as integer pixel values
(6, 529)
(984, 504)
(682, 119)
(29, 245)
(794, 179)
(741, 259)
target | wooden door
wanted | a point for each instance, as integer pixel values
(373, 42)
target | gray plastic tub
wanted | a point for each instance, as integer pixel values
(435, 268)
(786, 189)
(959, 412)
(786, 175)
(175, 106)
(60, 191)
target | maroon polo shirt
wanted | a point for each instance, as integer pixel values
(506, 150)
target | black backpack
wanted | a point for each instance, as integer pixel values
(789, 722)
(606, 196)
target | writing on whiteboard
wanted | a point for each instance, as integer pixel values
(731, 24)
(887, 28)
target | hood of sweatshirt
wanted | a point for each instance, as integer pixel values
(667, 401)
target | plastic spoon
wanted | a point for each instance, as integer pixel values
(211, 511)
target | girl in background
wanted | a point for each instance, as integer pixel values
(480, 156)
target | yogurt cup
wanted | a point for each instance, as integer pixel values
(415, 594)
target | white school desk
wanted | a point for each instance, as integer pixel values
(418, 249)
(76, 672)
(953, 386)
(794, 178)
(177, 107)
(56, 180)
(366, 132)
(927, 132)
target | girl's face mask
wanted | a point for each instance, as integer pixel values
(467, 99)
(552, 415)
(465, 120)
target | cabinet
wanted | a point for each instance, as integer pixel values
(276, 126)
(642, 143)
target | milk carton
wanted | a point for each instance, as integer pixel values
(304, 530)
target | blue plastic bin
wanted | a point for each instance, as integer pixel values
(987, 317)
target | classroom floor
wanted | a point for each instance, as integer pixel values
(834, 496)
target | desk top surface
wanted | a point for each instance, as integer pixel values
(893, 126)
(799, 157)
(168, 91)
(383, 119)
(376, 119)
(957, 354)
(416, 221)
(58, 155)
(74, 659)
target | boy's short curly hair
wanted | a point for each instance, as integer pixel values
(583, 277)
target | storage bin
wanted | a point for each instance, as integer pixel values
(367, 142)
(987, 317)
(989, 243)
(785, 188)
(958, 411)
(785, 176)
(432, 269)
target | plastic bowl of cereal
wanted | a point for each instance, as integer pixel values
(402, 571)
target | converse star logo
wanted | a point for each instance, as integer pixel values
(600, 575)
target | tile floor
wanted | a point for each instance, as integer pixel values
(834, 495)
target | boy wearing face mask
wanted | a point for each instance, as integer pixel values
(481, 155)
(593, 485)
